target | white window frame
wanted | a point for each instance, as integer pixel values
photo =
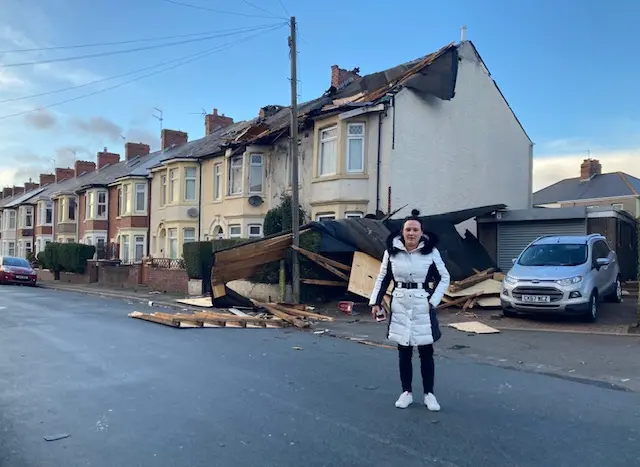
(259, 165)
(173, 180)
(217, 181)
(72, 203)
(238, 230)
(235, 163)
(89, 205)
(136, 244)
(48, 206)
(124, 200)
(62, 203)
(253, 226)
(172, 236)
(190, 180)
(348, 148)
(11, 220)
(140, 188)
(125, 248)
(191, 238)
(11, 246)
(353, 215)
(163, 190)
(322, 172)
(618, 206)
(327, 216)
(104, 204)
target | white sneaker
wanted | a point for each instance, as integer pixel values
(405, 400)
(431, 402)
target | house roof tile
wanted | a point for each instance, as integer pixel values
(608, 185)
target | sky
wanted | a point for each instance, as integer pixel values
(566, 67)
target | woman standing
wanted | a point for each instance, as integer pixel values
(406, 261)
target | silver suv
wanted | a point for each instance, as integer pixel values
(562, 274)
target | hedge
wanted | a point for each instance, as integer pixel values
(66, 257)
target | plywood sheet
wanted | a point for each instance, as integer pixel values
(204, 302)
(475, 327)
(364, 270)
(488, 302)
(487, 287)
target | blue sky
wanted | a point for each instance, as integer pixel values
(559, 64)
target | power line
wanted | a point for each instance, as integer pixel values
(184, 62)
(284, 8)
(102, 80)
(204, 8)
(118, 52)
(130, 41)
(262, 9)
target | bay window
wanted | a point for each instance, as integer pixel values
(217, 181)
(256, 173)
(189, 235)
(235, 175)
(173, 243)
(163, 190)
(327, 154)
(141, 197)
(45, 213)
(172, 185)
(138, 253)
(355, 148)
(190, 184)
(102, 205)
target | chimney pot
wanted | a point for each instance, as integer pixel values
(215, 121)
(132, 150)
(590, 168)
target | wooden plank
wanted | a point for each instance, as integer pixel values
(154, 319)
(487, 287)
(498, 276)
(319, 260)
(311, 255)
(297, 322)
(458, 301)
(469, 281)
(364, 271)
(305, 314)
(219, 291)
(323, 282)
(237, 312)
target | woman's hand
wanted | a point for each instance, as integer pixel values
(376, 311)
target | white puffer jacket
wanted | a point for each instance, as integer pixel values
(410, 323)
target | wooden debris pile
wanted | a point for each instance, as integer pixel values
(480, 290)
(264, 315)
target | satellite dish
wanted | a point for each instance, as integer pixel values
(192, 212)
(255, 200)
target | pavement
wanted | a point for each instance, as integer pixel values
(123, 392)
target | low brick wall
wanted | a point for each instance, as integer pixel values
(118, 276)
(45, 275)
(71, 278)
(168, 280)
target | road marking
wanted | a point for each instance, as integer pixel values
(2, 307)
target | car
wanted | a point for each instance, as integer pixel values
(17, 271)
(567, 275)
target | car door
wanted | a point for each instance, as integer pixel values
(605, 276)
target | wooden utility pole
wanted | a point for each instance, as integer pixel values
(295, 201)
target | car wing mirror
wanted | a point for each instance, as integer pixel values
(513, 261)
(602, 262)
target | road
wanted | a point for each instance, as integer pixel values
(131, 393)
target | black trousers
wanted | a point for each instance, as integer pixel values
(427, 367)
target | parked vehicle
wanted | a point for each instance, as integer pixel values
(562, 274)
(16, 271)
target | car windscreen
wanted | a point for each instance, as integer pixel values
(15, 262)
(567, 254)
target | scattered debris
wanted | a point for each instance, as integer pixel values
(474, 327)
(297, 348)
(57, 437)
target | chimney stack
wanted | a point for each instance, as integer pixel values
(82, 167)
(173, 138)
(590, 168)
(268, 111)
(28, 186)
(106, 158)
(47, 179)
(132, 150)
(7, 192)
(341, 77)
(18, 190)
(64, 174)
(213, 122)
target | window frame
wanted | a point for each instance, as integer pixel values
(125, 252)
(325, 216)
(170, 239)
(72, 207)
(184, 235)
(252, 235)
(231, 228)
(262, 172)
(173, 179)
(137, 192)
(321, 144)
(9, 218)
(353, 215)
(618, 206)
(104, 204)
(163, 190)
(188, 180)
(348, 147)
(217, 181)
(239, 166)
(136, 244)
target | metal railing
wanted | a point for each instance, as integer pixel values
(167, 263)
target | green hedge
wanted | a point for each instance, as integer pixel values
(197, 256)
(66, 257)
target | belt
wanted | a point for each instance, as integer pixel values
(409, 285)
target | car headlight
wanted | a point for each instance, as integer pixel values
(569, 281)
(510, 280)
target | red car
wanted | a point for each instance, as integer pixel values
(16, 271)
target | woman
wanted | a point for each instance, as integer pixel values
(406, 261)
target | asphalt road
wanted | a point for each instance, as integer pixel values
(131, 393)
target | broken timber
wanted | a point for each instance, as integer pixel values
(326, 263)
(470, 281)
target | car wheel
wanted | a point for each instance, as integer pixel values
(508, 313)
(592, 314)
(616, 294)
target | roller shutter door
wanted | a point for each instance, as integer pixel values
(513, 237)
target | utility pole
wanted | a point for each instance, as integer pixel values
(295, 202)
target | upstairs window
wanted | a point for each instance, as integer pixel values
(190, 184)
(256, 173)
(355, 148)
(28, 217)
(235, 175)
(163, 190)
(172, 184)
(327, 155)
(102, 205)
(141, 197)
(72, 208)
(217, 181)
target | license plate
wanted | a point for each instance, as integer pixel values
(536, 298)
(23, 278)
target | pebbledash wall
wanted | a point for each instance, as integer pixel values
(127, 277)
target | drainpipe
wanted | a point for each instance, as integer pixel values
(379, 163)
(199, 196)
(78, 218)
(149, 180)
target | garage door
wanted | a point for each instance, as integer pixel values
(513, 237)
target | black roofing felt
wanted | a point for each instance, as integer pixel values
(608, 185)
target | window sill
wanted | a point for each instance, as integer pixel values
(350, 176)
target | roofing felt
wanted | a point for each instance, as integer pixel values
(608, 185)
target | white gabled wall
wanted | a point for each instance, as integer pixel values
(458, 154)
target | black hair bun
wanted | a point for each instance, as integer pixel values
(415, 212)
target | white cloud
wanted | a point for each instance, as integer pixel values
(550, 169)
